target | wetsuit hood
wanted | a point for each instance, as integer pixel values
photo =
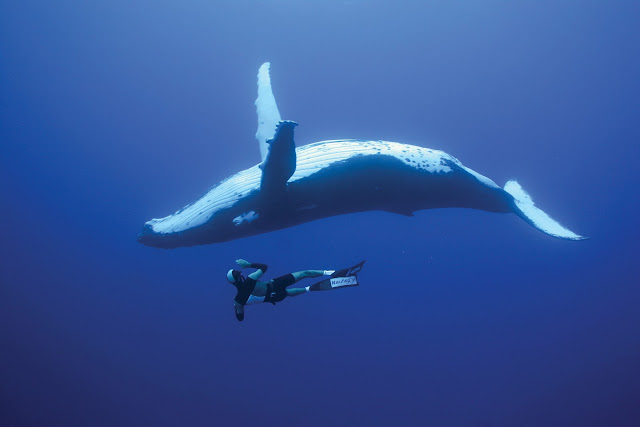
(233, 276)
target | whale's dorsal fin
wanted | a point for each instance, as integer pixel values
(280, 162)
(268, 114)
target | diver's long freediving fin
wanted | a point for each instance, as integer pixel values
(344, 278)
(268, 114)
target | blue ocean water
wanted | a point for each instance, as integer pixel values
(113, 113)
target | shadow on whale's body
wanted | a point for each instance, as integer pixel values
(296, 185)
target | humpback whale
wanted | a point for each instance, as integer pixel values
(293, 185)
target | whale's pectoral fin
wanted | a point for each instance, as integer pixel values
(268, 114)
(280, 162)
(535, 216)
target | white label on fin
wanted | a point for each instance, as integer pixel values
(338, 282)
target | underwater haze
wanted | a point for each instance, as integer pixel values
(113, 113)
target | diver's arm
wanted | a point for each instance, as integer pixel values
(260, 268)
(239, 311)
(243, 263)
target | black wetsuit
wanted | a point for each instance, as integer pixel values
(276, 288)
(246, 286)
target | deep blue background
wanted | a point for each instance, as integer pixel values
(115, 113)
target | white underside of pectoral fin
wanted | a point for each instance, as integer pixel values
(268, 114)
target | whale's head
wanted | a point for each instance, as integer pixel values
(227, 211)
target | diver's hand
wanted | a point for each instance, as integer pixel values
(243, 263)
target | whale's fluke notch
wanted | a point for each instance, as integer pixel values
(280, 163)
(268, 114)
(527, 210)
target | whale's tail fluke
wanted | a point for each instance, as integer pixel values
(525, 209)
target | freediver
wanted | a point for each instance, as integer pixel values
(254, 291)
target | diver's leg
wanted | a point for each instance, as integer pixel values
(281, 284)
(299, 275)
(292, 292)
